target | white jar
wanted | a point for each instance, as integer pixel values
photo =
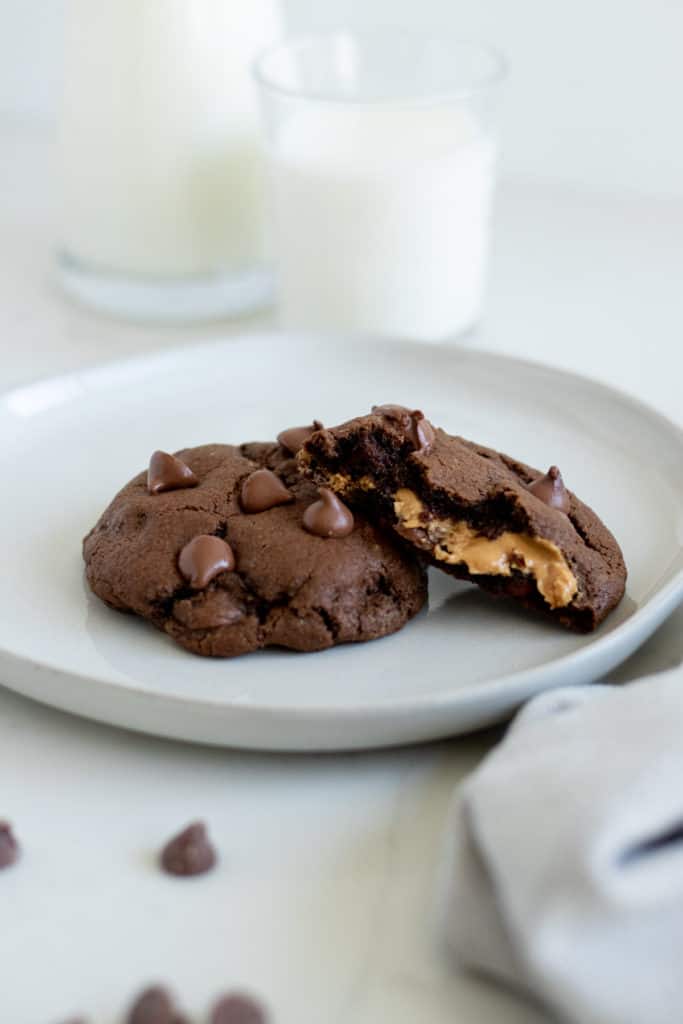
(162, 210)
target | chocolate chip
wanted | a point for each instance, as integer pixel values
(153, 1006)
(550, 489)
(421, 432)
(9, 847)
(328, 517)
(293, 439)
(189, 853)
(168, 473)
(263, 490)
(204, 558)
(238, 1009)
(418, 431)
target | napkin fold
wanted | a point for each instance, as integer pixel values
(565, 872)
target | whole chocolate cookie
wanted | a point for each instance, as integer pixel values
(474, 512)
(219, 558)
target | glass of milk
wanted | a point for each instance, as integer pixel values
(382, 153)
(163, 183)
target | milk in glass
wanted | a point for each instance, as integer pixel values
(382, 218)
(160, 151)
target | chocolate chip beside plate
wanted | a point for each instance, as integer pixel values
(154, 1006)
(189, 853)
(9, 847)
(237, 1008)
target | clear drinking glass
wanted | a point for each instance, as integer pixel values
(162, 204)
(382, 155)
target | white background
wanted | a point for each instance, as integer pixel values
(594, 97)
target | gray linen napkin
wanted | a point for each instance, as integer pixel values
(565, 874)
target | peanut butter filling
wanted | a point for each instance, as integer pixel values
(457, 543)
(341, 482)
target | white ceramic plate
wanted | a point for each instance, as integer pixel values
(69, 443)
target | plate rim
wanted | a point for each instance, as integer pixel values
(655, 607)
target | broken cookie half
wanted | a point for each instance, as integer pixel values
(474, 512)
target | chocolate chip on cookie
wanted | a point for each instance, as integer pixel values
(551, 490)
(293, 438)
(204, 558)
(418, 431)
(328, 516)
(263, 490)
(168, 473)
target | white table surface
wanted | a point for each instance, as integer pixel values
(322, 902)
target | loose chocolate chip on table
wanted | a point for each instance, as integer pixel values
(238, 1009)
(168, 473)
(189, 853)
(418, 430)
(295, 437)
(263, 490)
(328, 517)
(9, 847)
(153, 1006)
(551, 490)
(204, 558)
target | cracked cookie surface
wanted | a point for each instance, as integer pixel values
(289, 588)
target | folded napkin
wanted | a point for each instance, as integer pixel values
(566, 871)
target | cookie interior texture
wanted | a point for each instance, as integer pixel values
(469, 511)
(288, 588)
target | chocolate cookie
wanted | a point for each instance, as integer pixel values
(474, 512)
(236, 552)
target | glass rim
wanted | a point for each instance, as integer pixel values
(299, 42)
